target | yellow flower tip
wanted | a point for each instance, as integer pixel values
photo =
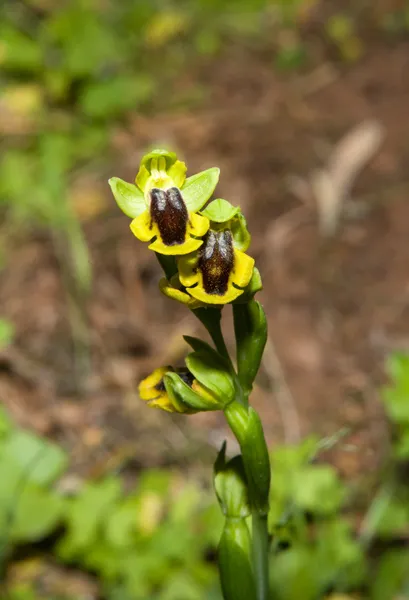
(152, 386)
(198, 225)
(243, 268)
(190, 245)
(143, 228)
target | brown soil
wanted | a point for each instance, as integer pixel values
(336, 308)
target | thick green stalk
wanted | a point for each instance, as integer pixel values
(260, 555)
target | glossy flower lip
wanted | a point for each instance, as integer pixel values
(218, 272)
(176, 231)
(152, 391)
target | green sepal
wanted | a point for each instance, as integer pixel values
(210, 370)
(129, 198)
(240, 233)
(197, 344)
(183, 395)
(231, 486)
(255, 285)
(198, 188)
(170, 158)
(220, 211)
(234, 554)
(250, 326)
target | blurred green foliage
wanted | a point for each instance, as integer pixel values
(157, 539)
(70, 72)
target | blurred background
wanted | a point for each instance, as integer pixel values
(304, 106)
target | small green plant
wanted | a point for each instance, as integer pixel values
(202, 246)
(203, 254)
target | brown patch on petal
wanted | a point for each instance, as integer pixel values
(168, 210)
(216, 261)
(160, 387)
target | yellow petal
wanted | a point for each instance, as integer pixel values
(177, 173)
(190, 245)
(199, 293)
(147, 387)
(164, 403)
(198, 225)
(142, 228)
(187, 270)
(243, 268)
(175, 294)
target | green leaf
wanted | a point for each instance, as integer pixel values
(19, 52)
(6, 424)
(212, 372)
(40, 461)
(36, 513)
(394, 518)
(199, 345)
(86, 514)
(230, 485)
(257, 462)
(236, 573)
(317, 489)
(112, 97)
(6, 333)
(250, 326)
(391, 576)
(121, 524)
(129, 198)
(181, 586)
(198, 188)
(220, 211)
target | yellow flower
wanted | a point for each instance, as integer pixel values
(152, 390)
(218, 272)
(168, 221)
(164, 204)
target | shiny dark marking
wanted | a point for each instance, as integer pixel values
(216, 261)
(168, 210)
(185, 376)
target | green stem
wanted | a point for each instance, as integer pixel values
(211, 319)
(260, 555)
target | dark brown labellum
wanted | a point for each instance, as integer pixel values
(216, 261)
(168, 210)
